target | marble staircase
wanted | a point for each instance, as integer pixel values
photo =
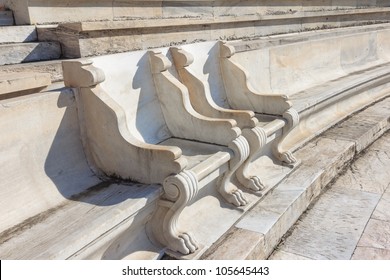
(18, 44)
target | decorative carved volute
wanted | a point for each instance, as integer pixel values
(158, 62)
(226, 50)
(81, 74)
(181, 57)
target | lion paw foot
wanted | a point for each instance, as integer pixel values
(256, 184)
(236, 198)
(184, 244)
(287, 157)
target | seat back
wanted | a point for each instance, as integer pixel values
(130, 84)
(206, 66)
(294, 67)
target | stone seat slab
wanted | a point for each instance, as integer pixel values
(18, 34)
(16, 82)
(198, 152)
(271, 124)
(339, 87)
(61, 232)
(28, 52)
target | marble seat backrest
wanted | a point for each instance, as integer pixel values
(206, 66)
(129, 82)
(383, 41)
(294, 67)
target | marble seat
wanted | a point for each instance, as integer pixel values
(325, 79)
(138, 124)
(198, 67)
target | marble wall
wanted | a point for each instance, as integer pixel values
(42, 11)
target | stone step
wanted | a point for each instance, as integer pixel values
(28, 52)
(18, 34)
(351, 218)
(52, 67)
(17, 83)
(6, 18)
(289, 38)
(47, 12)
(101, 224)
(90, 38)
(257, 234)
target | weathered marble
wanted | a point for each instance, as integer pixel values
(382, 144)
(382, 209)
(40, 11)
(240, 244)
(28, 52)
(369, 253)
(72, 229)
(363, 128)
(282, 255)
(332, 228)
(278, 211)
(148, 25)
(142, 115)
(53, 68)
(47, 165)
(18, 34)
(21, 82)
(376, 235)
(198, 68)
(157, 127)
(351, 218)
(363, 173)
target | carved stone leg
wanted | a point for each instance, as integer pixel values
(226, 188)
(179, 190)
(257, 138)
(292, 117)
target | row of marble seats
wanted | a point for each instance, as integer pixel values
(326, 79)
(138, 124)
(198, 67)
(216, 113)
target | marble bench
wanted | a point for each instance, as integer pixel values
(137, 124)
(325, 79)
(198, 67)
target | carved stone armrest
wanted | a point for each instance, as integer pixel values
(110, 145)
(181, 118)
(200, 95)
(81, 74)
(240, 92)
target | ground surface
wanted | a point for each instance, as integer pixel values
(351, 219)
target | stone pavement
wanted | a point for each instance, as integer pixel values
(351, 219)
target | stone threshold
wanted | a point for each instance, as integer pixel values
(260, 230)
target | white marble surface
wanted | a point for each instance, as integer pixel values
(350, 220)
(42, 158)
(344, 208)
(332, 228)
